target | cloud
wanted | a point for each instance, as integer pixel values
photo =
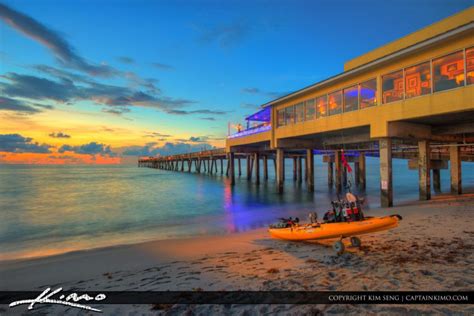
(65, 90)
(7, 104)
(52, 40)
(167, 149)
(126, 60)
(207, 118)
(32, 87)
(225, 35)
(119, 110)
(250, 106)
(162, 66)
(59, 135)
(91, 148)
(198, 139)
(270, 94)
(205, 111)
(15, 143)
(156, 134)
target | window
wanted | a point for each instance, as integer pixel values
(299, 112)
(392, 86)
(470, 65)
(448, 72)
(368, 93)
(335, 102)
(289, 115)
(321, 106)
(281, 117)
(417, 80)
(310, 110)
(351, 98)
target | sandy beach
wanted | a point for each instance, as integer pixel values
(432, 249)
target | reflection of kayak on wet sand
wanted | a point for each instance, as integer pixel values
(339, 230)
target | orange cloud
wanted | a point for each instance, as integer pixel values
(56, 159)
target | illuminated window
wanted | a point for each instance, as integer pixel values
(310, 110)
(299, 112)
(392, 86)
(281, 117)
(289, 115)
(368, 93)
(321, 106)
(351, 98)
(417, 80)
(335, 102)
(448, 72)
(470, 65)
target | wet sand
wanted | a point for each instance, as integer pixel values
(432, 249)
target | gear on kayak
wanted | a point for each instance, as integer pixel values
(345, 220)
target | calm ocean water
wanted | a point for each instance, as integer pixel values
(46, 210)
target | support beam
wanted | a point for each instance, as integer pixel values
(356, 173)
(424, 170)
(240, 167)
(386, 187)
(330, 174)
(265, 168)
(295, 162)
(249, 167)
(280, 161)
(305, 169)
(230, 162)
(437, 180)
(222, 166)
(362, 170)
(455, 161)
(344, 177)
(299, 171)
(257, 168)
(338, 176)
(309, 169)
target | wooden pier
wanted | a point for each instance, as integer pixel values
(220, 162)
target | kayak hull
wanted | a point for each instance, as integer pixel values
(336, 230)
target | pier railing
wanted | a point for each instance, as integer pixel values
(198, 154)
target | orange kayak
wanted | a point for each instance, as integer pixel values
(336, 230)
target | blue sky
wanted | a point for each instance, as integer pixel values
(216, 60)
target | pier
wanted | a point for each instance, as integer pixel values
(411, 99)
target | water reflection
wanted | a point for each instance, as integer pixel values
(50, 209)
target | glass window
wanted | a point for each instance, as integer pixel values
(322, 106)
(417, 80)
(392, 86)
(448, 72)
(368, 93)
(351, 98)
(281, 117)
(470, 65)
(335, 102)
(310, 110)
(299, 112)
(289, 115)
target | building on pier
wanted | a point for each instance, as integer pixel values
(415, 91)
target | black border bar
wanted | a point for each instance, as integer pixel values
(256, 297)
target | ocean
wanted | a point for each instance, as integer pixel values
(52, 209)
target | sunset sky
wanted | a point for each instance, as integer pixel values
(107, 81)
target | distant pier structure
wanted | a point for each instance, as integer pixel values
(412, 99)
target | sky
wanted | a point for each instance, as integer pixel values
(98, 82)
